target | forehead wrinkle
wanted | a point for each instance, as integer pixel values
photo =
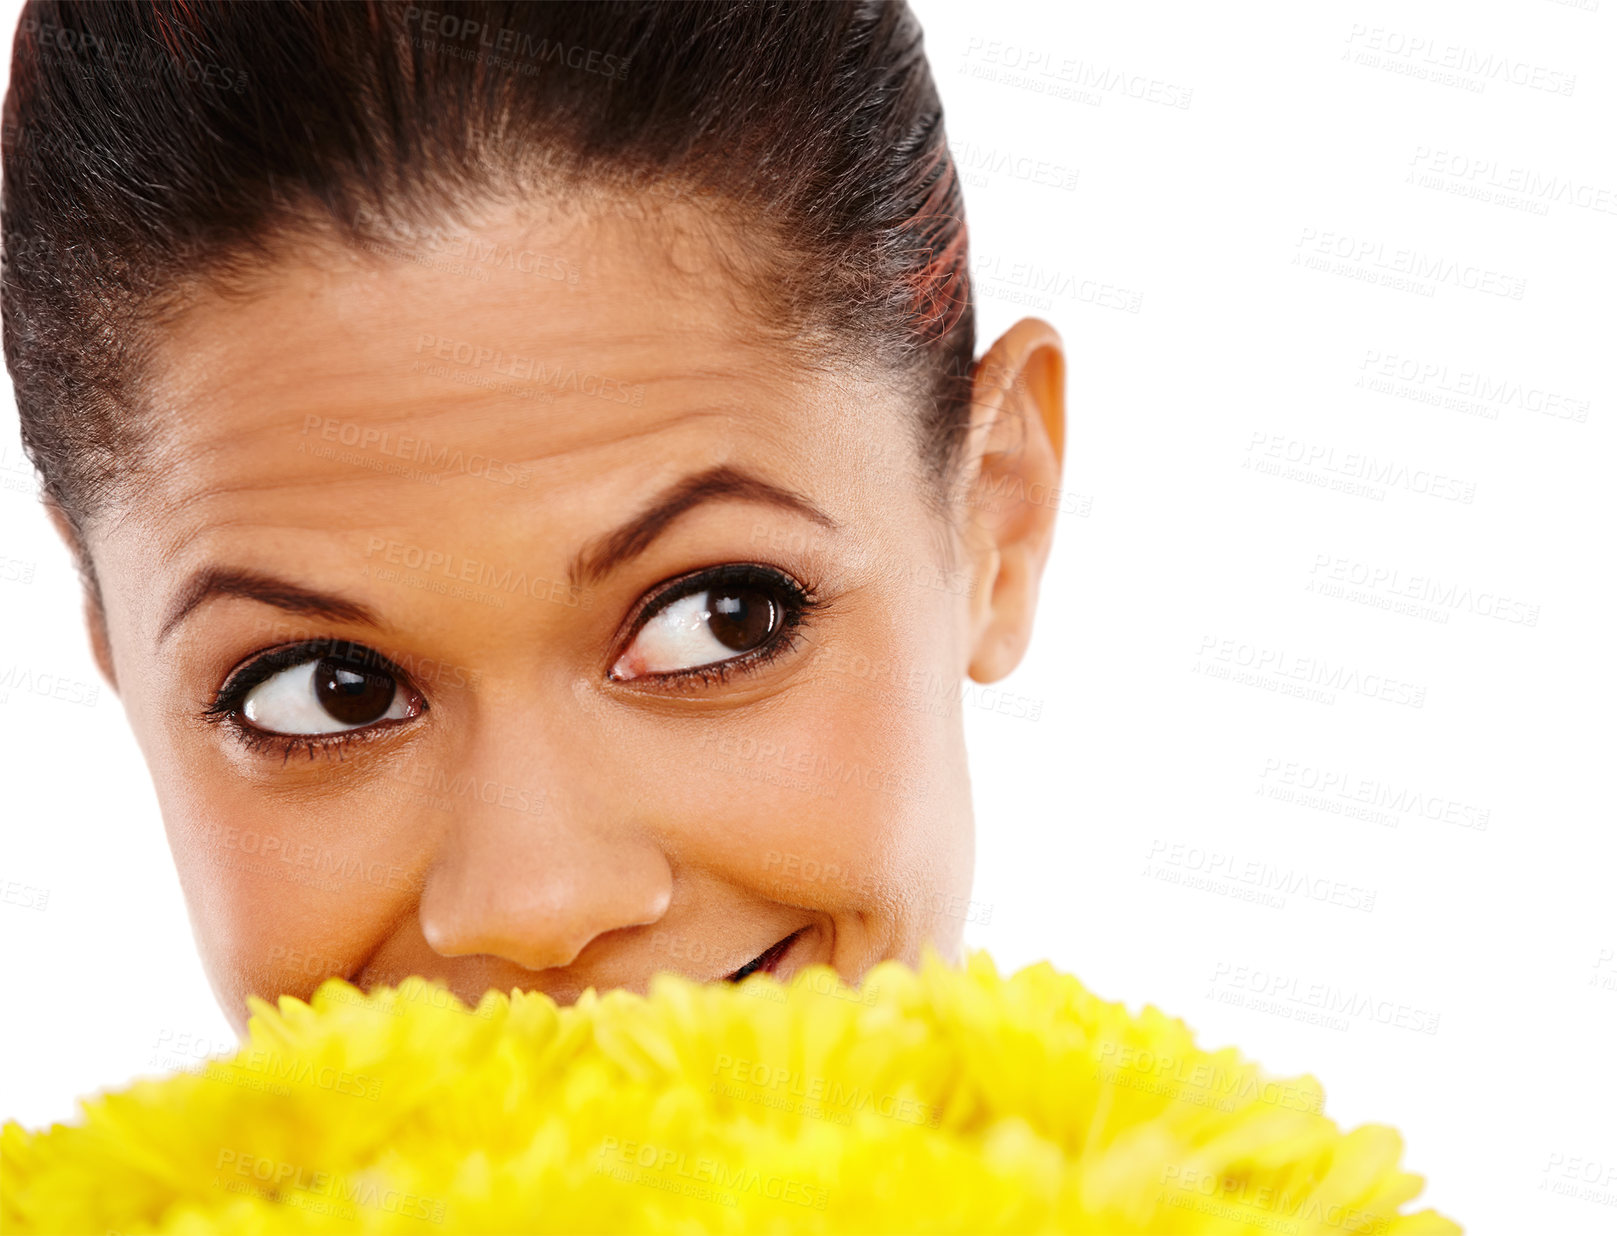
(441, 414)
(351, 362)
(357, 345)
(663, 425)
(174, 505)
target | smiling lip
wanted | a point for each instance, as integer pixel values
(767, 960)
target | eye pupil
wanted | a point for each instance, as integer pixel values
(350, 694)
(741, 618)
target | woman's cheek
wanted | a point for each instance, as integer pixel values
(871, 794)
(279, 898)
(826, 804)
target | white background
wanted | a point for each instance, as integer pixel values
(1134, 831)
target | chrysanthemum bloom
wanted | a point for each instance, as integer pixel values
(938, 1100)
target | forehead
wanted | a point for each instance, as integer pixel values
(534, 352)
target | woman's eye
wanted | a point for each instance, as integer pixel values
(325, 695)
(707, 626)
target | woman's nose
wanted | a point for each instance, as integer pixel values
(537, 888)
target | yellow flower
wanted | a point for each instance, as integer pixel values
(929, 1100)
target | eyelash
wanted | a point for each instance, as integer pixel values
(799, 603)
(225, 706)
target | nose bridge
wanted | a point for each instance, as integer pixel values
(533, 872)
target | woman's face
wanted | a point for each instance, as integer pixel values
(506, 610)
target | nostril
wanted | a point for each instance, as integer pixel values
(539, 897)
(534, 951)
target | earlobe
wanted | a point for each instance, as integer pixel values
(1012, 491)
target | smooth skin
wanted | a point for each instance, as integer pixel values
(540, 809)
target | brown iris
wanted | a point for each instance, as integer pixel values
(352, 694)
(741, 618)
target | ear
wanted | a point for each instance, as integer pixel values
(1009, 491)
(95, 616)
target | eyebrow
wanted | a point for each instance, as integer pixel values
(212, 582)
(606, 553)
(591, 564)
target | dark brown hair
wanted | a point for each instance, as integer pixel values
(154, 144)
